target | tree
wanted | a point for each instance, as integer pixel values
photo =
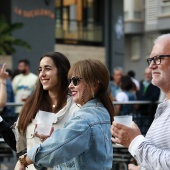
(7, 41)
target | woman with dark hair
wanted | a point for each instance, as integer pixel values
(84, 142)
(50, 95)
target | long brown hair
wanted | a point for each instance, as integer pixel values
(40, 99)
(95, 72)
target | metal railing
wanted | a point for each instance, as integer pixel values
(114, 102)
(136, 102)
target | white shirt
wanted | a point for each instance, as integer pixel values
(136, 83)
(122, 97)
(153, 151)
(23, 86)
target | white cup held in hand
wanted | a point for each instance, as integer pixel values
(125, 120)
(44, 122)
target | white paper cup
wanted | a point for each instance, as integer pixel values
(44, 122)
(44, 128)
(125, 120)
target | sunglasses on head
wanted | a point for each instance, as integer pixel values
(75, 80)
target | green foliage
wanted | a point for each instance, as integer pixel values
(7, 41)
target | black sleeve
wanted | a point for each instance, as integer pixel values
(8, 135)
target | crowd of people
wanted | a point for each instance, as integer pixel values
(83, 129)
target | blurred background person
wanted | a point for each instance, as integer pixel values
(126, 94)
(131, 74)
(114, 85)
(24, 83)
(147, 92)
(9, 110)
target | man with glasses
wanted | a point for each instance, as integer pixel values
(152, 151)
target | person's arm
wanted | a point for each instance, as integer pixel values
(147, 155)
(3, 77)
(63, 145)
(150, 156)
(7, 134)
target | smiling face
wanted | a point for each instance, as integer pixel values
(91, 83)
(81, 92)
(161, 72)
(48, 74)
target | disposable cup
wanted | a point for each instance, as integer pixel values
(44, 128)
(125, 120)
(44, 122)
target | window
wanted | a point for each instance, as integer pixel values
(165, 7)
(149, 43)
(135, 48)
(79, 22)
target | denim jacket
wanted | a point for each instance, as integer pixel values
(83, 144)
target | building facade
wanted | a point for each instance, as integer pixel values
(144, 20)
(119, 33)
(90, 29)
(82, 24)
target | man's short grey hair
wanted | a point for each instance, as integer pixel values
(118, 69)
(162, 37)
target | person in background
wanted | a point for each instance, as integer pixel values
(114, 86)
(9, 110)
(147, 92)
(152, 152)
(131, 74)
(24, 83)
(126, 94)
(51, 95)
(84, 141)
(147, 88)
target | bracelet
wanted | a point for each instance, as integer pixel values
(23, 161)
(3, 83)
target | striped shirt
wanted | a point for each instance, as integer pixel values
(153, 151)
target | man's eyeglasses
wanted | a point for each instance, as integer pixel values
(156, 59)
(75, 80)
